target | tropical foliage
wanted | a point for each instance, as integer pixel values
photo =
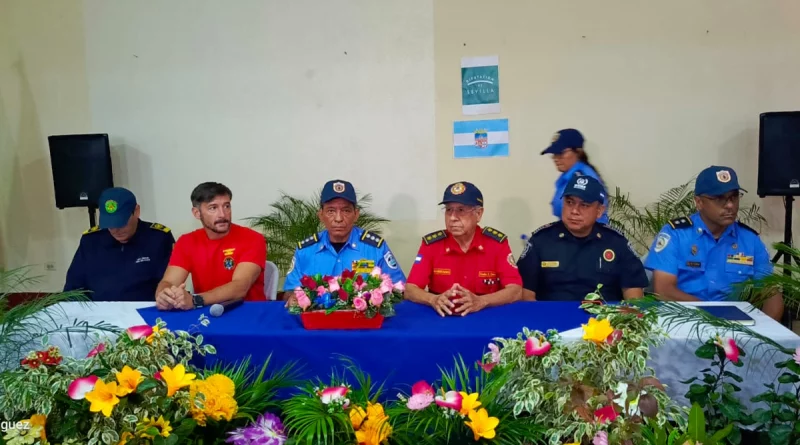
(292, 220)
(641, 224)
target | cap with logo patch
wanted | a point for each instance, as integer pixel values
(564, 139)
(716, 180)
(587, 188)
(463, 193)
(338, 189)
(116, 205)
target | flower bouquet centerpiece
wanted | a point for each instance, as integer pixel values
(348, 301)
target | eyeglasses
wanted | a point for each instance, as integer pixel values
(724, 199)
(457, 211)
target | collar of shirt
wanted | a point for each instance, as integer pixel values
(568, 236)
(564, 178)
(140, 227)
(701, 228)
(352, 241)
(477, 244)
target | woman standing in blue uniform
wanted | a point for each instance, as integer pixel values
(570, 160)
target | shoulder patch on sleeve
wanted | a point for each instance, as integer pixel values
(542, 228)
(494, 234)
(746, 227)
(371, 239)
(681, 223)
(160, 227)
(310, 241)
(92, 230)
(434, 237)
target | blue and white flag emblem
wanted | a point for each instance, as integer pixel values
(480, 139)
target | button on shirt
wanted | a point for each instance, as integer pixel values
(582, 168)
(706, 267)
(486, 267)
(558, 266)
(114, 271)
(318, 256)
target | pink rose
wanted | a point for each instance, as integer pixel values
(385, 277)
(333, 285)
(360, 304)
(98, 349)
(399, 286)
(376, 297)
(321, 290)
(137, 332)
(299, 293)
(385, 288)
(376, 272)
(303, 301)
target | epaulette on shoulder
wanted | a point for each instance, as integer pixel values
(683, 222)
(160, 227)
(310, 241)
(371, 239)
(92, 230)
(543, 227)
(434, 237)
(746, 227)
(494, 234)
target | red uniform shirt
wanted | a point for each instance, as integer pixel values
(212, 262)
(486, 267)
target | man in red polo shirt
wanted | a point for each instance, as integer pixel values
(464, 268)
(226, 260)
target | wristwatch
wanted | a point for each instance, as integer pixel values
(198, 300)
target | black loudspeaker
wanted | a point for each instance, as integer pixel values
(81, 169)
(779, 154)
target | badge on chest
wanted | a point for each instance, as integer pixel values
(550, 264)
(740, 258)
(228, 262)
(363, 266)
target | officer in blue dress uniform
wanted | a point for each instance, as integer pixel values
(701, 257)
(123, 258)
(570, 159)
(567, 259)
(342, 245)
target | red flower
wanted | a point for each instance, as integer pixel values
(31, 363)
(615, 336)
(359, 280)
(348, 274)
(343, 295)
(326, 278)
(308, 282)
(606, 413)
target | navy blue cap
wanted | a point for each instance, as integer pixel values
(587, 188)
(338, 189)
(716, 180)
(564, 139)
(116, 207)
(463, 193)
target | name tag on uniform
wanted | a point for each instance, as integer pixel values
(441, 271)
(549, 263)
(695, 264)
(363, 266)
(740, 259)
(487, 274)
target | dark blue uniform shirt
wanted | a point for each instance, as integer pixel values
(113, 271)
(558, 266)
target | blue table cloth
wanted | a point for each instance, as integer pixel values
(409, 347)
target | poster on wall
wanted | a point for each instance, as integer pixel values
(480, 139)
(480, 85)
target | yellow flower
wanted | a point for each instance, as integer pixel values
(128, 380)
(125, 437)
(217, 400)
(375, 411)
(481, 424)
(597, 331)
(222, 384)
(374, 431)
(175, 378)
(38, 420)
(357, 416)
(159, 424)
(469, 402)
(156, 333)
(103, 397)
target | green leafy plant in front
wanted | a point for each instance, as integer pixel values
(292, 220)
(781, 418)
(716, 395)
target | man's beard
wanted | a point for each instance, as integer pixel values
(213, 227)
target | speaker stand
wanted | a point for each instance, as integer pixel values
(92, 218)
(787, 257)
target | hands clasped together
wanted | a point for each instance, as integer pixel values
(457, 299)
(174, 297)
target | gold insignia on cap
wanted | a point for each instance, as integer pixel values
(724, 176)
(556, 136)
(457, 188)
(338, 187)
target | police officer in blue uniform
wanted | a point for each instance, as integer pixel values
(571, 159)
(123, 258)
(567, 259)
(700, 257)
(342, 245)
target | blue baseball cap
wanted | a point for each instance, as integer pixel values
(716, 180)
(338, 189)
(463, 193)
(564, 139)
(587, 188)
(116, 205)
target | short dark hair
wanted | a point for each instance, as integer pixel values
(207, 191)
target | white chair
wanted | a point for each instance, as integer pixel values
(271, 277)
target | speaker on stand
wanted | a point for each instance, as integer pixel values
(81, 166)
(779, 172)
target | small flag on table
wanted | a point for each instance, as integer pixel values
(480, 139)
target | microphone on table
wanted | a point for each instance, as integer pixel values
(218, 309)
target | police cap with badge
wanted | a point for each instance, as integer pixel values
(338, 189)
(587, 188)
(116, 205)
(462, 193)
(564, 139)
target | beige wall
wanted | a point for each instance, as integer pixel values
(660, 90)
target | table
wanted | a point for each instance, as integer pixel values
(261, 329)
